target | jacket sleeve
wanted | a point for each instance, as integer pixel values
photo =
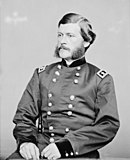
(27, 113)
(105, 126)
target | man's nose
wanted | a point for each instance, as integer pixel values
(63, 40)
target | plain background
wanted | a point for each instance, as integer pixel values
(28, 39)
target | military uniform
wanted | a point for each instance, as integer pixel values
(76, 105)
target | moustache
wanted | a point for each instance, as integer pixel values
(63, 47)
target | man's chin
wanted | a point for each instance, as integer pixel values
(64, 55)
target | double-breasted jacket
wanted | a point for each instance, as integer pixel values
(76, 103)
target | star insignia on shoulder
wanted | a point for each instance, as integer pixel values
(102, 73)
(41, 69)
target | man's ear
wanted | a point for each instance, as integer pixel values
(86, 44)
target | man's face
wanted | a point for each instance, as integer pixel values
(70, 42)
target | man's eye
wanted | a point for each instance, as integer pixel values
(71, 35)
(59, 35)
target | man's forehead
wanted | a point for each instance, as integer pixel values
(69, 28)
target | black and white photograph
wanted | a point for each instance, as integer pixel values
(65, 79)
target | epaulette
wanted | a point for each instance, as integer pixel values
(41, 69)
(102, 73)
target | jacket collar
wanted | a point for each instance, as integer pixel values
(76, 63)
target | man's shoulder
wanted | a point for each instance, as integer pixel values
(101, 73)
(47, 67)
(93, 67)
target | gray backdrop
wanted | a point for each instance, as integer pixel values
(28, 38)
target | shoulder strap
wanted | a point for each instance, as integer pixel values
(102, 73)
(41, 69)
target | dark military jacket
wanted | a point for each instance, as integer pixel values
(75, 103)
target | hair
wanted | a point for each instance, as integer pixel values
(84, 24)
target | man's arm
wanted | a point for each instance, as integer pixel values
(27, 113)
(105, 126)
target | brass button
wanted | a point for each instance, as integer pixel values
(49, 113)
(54, 80)
(67, 130)
(76, 81)
(66, 154)
(52, 134)
(59, 66)
(71, 153)
(77, 74)
(76, 153)
(78, 68)
(49, 104)
(57, 73)
(70, 106)
(69, 113)
(51, 128)
(52, 140)
(49, 95)
(72, 97)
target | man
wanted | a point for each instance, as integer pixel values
(74, 101)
